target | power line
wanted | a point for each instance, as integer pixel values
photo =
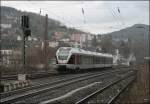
(113, 13)
(56, 15)
(121, 16)
(116, 17)
(67, 21)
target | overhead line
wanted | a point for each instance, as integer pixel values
(73, 26)
(55, 15)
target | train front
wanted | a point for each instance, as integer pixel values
(62, 57)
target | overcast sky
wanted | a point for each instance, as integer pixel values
(99, 16)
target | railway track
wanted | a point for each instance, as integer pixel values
(39, 74)
(89, 99)
(114, 98)
(29, 76)
(40, 84)
(74, 98)
(35, 90)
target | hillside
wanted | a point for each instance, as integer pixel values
(135, 32)
(135, 37)
(10, 17)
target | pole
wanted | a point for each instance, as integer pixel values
(23, 53)
(26, 32)
(45, 43)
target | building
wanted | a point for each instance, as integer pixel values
(53, 44)
(56, 36)
(6, 26)
(10, 57)
(83, 39)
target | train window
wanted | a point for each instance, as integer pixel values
(86, 60)
(82, 59)
(106, 60)
(65, 49)
(100, 60)
(91, 59)
(103, 60)
(94, 59)
(62, 57)
(63, 53)
(97, 60)
(109, 60)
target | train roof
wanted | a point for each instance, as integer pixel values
(81, 51)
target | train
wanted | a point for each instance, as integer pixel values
(69, 59)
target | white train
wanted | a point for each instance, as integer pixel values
(76, 59)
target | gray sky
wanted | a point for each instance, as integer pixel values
(100, 16)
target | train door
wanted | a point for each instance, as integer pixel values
(72, 60)
(77, 59)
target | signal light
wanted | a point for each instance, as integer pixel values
(25, 21)
(25, 25)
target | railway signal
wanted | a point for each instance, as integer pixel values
(25, 21)
(26, 32)
(25, 25)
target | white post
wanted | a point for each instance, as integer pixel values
(22, 77)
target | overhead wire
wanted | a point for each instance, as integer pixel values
(84, 21)
(54, 14)
(119, 12)
(116, 18)
(66, 21)
(84, 15)
(113, 13)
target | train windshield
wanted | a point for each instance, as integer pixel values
(63, 53)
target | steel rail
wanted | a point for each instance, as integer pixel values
(52, 87)
(30, 76)
(111, 101)
(64, 83)
(44, 84)
(39, 85)
(85, 99)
